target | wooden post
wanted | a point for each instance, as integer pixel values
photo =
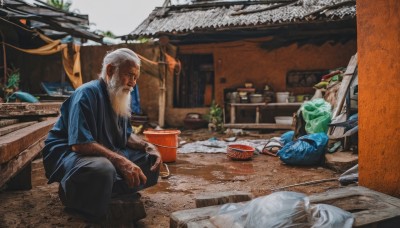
(161, 102)
(233, 113)
(4, 57)
(257, 114)
(162, 96)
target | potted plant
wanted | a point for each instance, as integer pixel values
(215, 117)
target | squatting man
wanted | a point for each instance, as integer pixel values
(91, 151)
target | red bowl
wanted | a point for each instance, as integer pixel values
(240, 152)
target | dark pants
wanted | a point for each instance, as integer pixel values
(91, 183)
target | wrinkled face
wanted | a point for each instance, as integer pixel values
(127, 74)
(120, 82)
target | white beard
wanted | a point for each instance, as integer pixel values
(120, 96)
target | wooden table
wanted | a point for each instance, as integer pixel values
(257, 124)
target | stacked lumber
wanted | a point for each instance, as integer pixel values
(23, 129)
(13, 143)
(13, 110)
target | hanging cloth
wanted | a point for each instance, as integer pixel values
(72, 64)
(47, 49)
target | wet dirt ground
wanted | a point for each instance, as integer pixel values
(191, 174)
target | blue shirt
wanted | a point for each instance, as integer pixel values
(86, 117)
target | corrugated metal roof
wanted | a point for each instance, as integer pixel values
(192, 17)
(46, 17)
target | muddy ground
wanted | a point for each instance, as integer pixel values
(191, 174)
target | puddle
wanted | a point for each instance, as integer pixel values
(225, 171)
(183, 174)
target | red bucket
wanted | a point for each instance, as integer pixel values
(166, 142)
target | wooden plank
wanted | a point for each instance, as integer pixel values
(259, 126)
(11, 168)
(12, 144)
(294, 104)
(8, 122)
(345, 85)
(29, 109)
(369, 208)
(29, 106)
(337, 132)
(14, 127)
(351, 67)
(341, 97)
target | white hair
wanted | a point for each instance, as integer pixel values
(117, 57)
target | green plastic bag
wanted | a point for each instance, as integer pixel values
(317, 115)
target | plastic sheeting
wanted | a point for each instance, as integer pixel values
(281, 209)
(317, 114)
(306, 150)
(219, 146)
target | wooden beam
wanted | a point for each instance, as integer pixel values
(8, 122)
(13, 143)
(11, 168)
(14, 127)
(11, 110)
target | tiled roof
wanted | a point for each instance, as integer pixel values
(223, 15)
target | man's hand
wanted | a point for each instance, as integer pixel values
(131, 173)
(135, 142)
(151, 149)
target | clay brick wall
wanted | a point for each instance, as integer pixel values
(242, 61)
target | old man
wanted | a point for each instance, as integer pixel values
(91, 151)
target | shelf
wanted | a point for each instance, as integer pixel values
(258, 126)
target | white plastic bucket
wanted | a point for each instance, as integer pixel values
(287, 120)
(282, 97)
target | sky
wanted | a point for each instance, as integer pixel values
(118, 16)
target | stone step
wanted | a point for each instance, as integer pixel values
(341, 161)
(219, 198)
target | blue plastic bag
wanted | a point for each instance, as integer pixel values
(287, 137)
(306, 150)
